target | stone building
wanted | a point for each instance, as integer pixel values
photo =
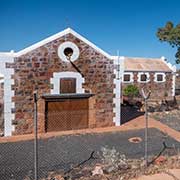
(177, 87)
(78, 84)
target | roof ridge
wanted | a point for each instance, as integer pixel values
(143, 57)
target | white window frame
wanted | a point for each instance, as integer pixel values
(155, 77)
(142, 73)
(65, 45)
(131, 77)
(55, 81)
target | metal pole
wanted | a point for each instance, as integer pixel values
(35, 137)
(146, 133)
(146, 97)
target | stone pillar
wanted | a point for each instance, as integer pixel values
(8, 92)
(117, 89)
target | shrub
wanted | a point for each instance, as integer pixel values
(131, 91)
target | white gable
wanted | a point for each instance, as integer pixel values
(58, 35)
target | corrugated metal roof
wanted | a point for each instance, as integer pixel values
(145, 64)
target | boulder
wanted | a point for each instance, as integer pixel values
(97, 170)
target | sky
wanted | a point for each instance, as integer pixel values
(129, 26)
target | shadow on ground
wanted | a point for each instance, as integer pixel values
(129, 113)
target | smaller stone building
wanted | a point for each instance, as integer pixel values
(177, 87)
(78, 84)
(153, 74)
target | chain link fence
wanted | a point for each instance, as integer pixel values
(62, 154)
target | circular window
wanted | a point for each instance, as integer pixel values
(68, 51)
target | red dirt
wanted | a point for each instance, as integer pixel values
(137, 123)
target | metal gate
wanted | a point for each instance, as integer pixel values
(66, 114)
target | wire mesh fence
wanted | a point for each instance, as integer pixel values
(62, 154)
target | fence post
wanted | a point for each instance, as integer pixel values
(146, 133)
(35, 137)
(146, 97)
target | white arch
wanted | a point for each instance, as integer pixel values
(55, 81)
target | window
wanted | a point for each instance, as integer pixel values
(128, 77)
(68, 51)
(68, 85)
(143, 77)
(159, 77)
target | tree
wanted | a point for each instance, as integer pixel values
(171, 35)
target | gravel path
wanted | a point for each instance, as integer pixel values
(16, 159)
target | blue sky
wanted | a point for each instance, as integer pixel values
(126, 25)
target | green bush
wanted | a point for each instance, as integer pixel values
(131, 91)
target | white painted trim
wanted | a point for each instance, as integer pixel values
(139, 77)
(65, 45)
(173, 83)
(131, 77)
(173, 69)
(58, 35)
(8, 92)
(55, 81)
(117, 91)
(163, 77)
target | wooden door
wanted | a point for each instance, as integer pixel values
(67, 115)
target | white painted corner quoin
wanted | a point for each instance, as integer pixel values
(117, 89)
(8, 92)
(174, 69)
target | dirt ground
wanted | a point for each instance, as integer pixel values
(166, 168)
(170, 118)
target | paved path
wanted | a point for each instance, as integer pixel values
(16, 158)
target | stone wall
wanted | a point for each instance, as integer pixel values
(159, 90)
(34, 70)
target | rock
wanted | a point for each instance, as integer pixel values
(109, 169)
(123, 165)
(54, 176)
(57, 177)
(97, 170)
(134, 166)
(160, 160)
(143, 163)
(1, 134)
